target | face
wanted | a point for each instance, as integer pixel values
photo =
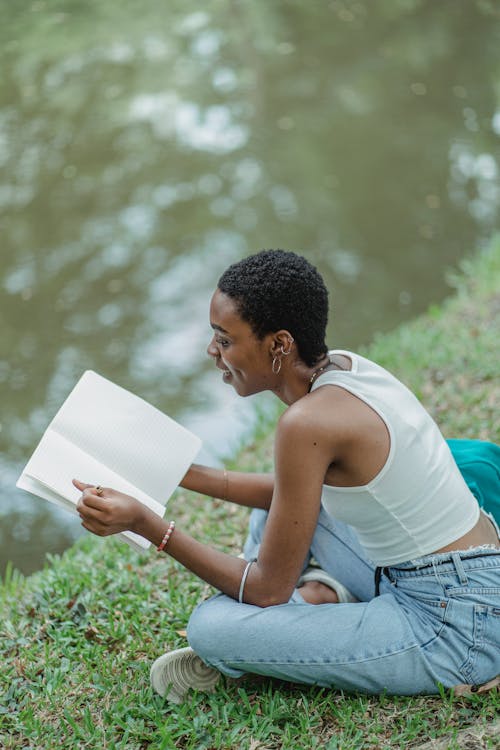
(245, 360)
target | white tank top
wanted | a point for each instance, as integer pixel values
(419, 501)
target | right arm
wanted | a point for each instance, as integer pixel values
(250, 490)
(302, 457)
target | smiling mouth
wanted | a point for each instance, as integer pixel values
(224, 370)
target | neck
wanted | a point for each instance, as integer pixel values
(324, 365)
(297, 380)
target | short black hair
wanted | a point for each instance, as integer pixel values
(277, 289)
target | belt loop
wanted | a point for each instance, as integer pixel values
(378, 576)
(459, 567)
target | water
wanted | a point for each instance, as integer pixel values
(144, 149)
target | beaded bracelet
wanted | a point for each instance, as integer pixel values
(168, 534)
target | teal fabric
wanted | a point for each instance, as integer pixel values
(479, 463)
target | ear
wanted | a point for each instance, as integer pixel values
(281, 342)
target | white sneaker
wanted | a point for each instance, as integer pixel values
(317, 574)
(173, 673)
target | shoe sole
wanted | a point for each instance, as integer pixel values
(318, 574)
(175, 672)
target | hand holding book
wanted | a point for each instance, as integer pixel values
(108, 513)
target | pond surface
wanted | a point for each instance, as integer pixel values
(144, 147)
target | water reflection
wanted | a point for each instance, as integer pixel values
(139, 155)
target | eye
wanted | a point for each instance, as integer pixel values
(222, 342)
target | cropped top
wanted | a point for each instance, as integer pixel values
(419, 501)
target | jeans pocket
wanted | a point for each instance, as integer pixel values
(429, 600)
(427, 614)
(483, 657)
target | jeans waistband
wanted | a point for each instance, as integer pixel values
(431, 561)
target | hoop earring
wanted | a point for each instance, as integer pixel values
(274, 368)
(290, 342)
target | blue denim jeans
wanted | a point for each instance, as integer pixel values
(436, 620)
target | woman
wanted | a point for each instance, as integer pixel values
(405, 589)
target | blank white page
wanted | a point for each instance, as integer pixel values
(56, 462)
(36, 488)
(130, 437)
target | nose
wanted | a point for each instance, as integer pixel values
(212, 349)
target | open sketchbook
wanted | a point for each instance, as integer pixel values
(104, 434)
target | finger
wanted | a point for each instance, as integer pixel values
(95, 528)
(90, 514)
(81, 485)
(90, 500)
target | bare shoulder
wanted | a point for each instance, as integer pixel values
(337, 432)
(331, 412)
(305, 444)
(313, 415)
(322, 404)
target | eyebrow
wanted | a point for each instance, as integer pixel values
(218, 328)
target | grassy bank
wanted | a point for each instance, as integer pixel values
(78, 638)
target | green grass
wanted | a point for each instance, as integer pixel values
(77, 639)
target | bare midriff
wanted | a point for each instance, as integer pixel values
(483, 533)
